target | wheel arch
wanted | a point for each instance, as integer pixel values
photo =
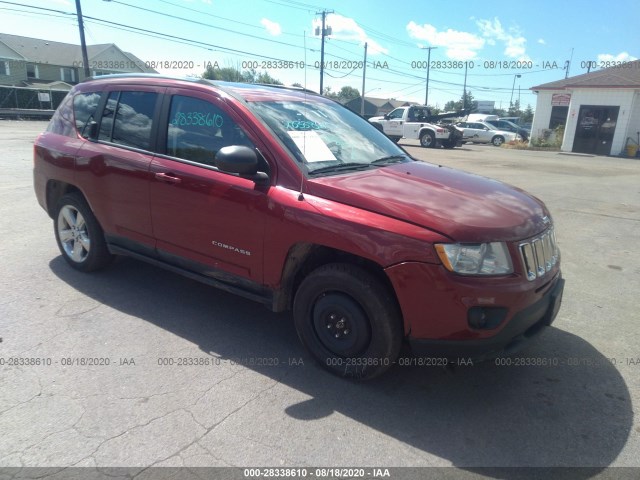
(303, 258)
(56, 189)
(427, 129)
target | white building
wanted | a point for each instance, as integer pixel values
(600, 110)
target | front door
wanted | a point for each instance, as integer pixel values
(204, 219)
(595, 129)
(395, 122)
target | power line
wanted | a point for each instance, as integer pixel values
(207, 25)
(233, 20)
(208, 46)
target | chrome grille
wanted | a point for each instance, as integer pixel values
(539, 255)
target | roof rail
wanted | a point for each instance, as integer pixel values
(142, 75)
(220, 83)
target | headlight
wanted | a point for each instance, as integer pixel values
(475, 258)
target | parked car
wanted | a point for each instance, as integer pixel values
(290, 199)
(483, 132)
(508, 126)
(480, 117)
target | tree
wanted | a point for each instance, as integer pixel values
(296, 84)
(345, 94)
(514, 109)
(466, 100)
(527, 115)
(231, 74)
(329, 93)
(227, 74)
(264, 77)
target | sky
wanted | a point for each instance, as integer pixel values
(494, 41)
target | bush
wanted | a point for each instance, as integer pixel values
(552, 141)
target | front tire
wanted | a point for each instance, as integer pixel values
(79, 235)
(497, 140)
(427, 140)
(348, 320)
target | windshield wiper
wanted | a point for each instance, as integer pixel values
(339, 167)
(388, 160)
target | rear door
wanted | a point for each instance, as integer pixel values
(203, 219)
(113, 169)
(475, 132)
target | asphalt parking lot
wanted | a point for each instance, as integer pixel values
(567, 400)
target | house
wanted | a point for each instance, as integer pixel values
(599, 110)
(32, 62)
(375, 106)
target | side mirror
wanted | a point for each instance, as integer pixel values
(92, 131)
(241, 160)
(386, 116)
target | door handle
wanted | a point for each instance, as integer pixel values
(167, 177)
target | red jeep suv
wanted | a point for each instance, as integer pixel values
(287, 198)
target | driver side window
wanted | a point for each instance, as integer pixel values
(197, 129)
(396, 114)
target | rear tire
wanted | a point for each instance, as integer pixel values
(348, 320)
(79, 235)
(427, 140)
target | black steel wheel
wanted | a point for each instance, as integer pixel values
(348, 320)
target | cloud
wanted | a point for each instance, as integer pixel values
(272, 27)
(621, 57)
(541, 41)
(345, 28)
(458, 45)
(514, 42)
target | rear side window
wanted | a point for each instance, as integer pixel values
(127, 119)
(198, 129)
(62, 120)
(84, 108)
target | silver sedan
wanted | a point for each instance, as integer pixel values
(480, 132)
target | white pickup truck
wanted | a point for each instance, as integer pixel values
(415, 122)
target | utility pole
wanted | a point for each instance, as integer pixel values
(567, 65)
(426, 95)
(324, 33)
(464, 89)
(83, 43)
(513, 88)
(364, 73)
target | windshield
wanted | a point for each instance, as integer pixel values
(326, 137)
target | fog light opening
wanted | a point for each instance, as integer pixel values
(486, 318)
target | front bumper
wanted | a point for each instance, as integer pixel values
(436, 307)
(523, 326)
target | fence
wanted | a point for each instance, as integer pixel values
(24, 101)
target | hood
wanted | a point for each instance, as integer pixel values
(463, 206)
